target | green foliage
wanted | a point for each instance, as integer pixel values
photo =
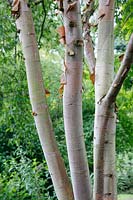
(125, 197)
(23, 171)
(25, 179)
(124, 107)
(46, 22)
(125, 172)
(124, 19)
(125, 120)
(88, 116)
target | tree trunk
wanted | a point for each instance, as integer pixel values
(40, 112)
(72, 102)
(105, 118)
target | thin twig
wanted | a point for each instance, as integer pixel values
(88, 44)
(43, 22)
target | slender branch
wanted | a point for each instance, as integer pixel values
(43, 22)
(125, 21)
(88, 44)
(15, 47)
(122, 73)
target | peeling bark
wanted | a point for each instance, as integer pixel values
(72, 103)
(39, 106)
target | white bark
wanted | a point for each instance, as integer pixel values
(39, 106)
(72, 103)
(105, 118)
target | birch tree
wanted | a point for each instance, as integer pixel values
(25, 27)
(106, 91)
(105, 96)
(105, 118)
(72, 101)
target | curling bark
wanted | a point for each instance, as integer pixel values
(40, 112)
(72, 102)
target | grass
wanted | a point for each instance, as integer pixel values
(125, 197)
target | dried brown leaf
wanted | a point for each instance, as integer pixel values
(92, 78)
(121, 57)
(61, 89)
(61, 31)
(63, 80)
(47, 92)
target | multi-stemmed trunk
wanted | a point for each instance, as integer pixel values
(40, 112)
(72, 102)
(105, 118)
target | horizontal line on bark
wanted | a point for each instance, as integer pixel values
(98, 127)
(107, 194)
(54, 153)
(31, 60)
(111, 163)
(29, 33)
(79, 171)
(76, 149)
(71, 105)
(105, 116)
(32, 45)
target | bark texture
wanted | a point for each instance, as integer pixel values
(40, 112)
(105, 183)
(72, 102)
(105, 118)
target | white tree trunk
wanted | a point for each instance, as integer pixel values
(72, 102)
(39, 106)
(105, 118)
